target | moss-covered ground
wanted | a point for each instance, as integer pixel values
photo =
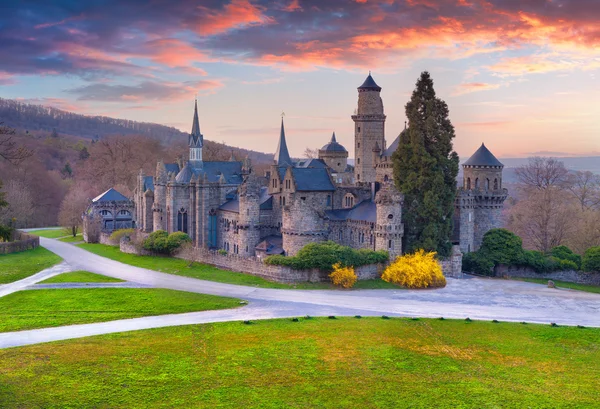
(206, 272)
(312, 363)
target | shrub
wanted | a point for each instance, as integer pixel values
(161, 242)
(117, 235)
(565, 253)
(538, 261)
(324, 255)
(475, 263)
(591, 259)
(5, 233)
(418, 270)
(501, 246)
(567, 265)
(343, 276)
(222, 252)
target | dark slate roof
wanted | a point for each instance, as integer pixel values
(266, 200)
(213, 170)
(311, 163)
(370, 84)
(312, 179)
(483, 157)
(111, 195)
(392, 148)
(282, 155)
(149, 183)
(271, 245)
(172, 168)
(185, 175)
(196, 139)
(333, 146)
(282, 170)
(231, 206)
(364, 211)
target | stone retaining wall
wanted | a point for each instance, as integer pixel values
(567, 275)
(21, 241)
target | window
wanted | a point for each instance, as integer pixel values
(105, 213)
(358, 177)
(470, 214)
(476, 183)
(371, 239)
(359, 131)
(340, 235)
(303, 197)
(358, 144)
(487, 184)
(248, 212)
(339, 164)
(495, 184)
(390, 245)
(385, 178)
(358, 161)
(284, 200)
(390, 216)
(280, 200)
(468, 183)
(328, 200)
(348, 201)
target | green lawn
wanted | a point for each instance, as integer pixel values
(81, 277)
(315, 363)
(206, 272)
(16, 266)
(50, 234)
(562, 284)
(72, 239)
(52, 308)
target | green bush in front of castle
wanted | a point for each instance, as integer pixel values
(164, 243)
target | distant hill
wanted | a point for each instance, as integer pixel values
(36, 118)
(591, 163)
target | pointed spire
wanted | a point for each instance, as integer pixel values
(333, 140)
(282, 156)
(196, 123)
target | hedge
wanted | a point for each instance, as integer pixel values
(164, 243)
(324, 255)
(591, 259)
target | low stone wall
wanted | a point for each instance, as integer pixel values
(567, 275)
(104, 238)
(21, 241)
(452, 266)
(281, 274)
(129, 247)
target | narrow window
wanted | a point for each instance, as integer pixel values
(328, 200)
(389, 244)
(358, 161)
(468, 183)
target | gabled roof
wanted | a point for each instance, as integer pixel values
(231, 171)
(370, 84)
(271, 245)
(282, 155)
(364, 211)
(311, 163)
(231, 206)
(149, 183)
(111, 195)
(312, 180)
(333, 146)
(392, 148)
(483, 157)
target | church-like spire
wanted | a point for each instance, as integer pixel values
(282, 156)
(333, 140)
(196, 138)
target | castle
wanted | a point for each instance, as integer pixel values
(225, 205)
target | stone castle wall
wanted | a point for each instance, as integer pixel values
(566, 275)
(20, 241)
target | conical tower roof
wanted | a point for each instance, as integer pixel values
(196, 138)
(483, 157)
(370, 84)
(333, 146)
(282, 155)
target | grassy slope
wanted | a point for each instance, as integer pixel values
(206, 272)
(16, 266)
(563, 284)
(317, 363)
(49, 234)
(53, 308)
(71, 239)
(81, 277)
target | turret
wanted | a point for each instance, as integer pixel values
(249, 215)
(160, 197)
(389, 229)
(369, 130)
(334, 155)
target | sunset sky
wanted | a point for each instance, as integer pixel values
(520, 75)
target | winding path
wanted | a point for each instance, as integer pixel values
(477, 298)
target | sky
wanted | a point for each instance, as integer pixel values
(521, 76)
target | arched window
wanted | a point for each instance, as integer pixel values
(349, 200)
(495, 184)
(340, 235)
(105, 213)
(476, 183)
(487, 184)
(468, 183)
(371, 239)
(328, 200)
(390, 245)
(385, 178)
(182, 220)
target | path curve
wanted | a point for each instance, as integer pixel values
(476, 298)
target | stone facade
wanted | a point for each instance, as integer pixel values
(566, 275)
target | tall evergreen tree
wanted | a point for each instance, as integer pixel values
(425, 170)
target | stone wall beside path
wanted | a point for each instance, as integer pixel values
(571, 276)
(21, 241)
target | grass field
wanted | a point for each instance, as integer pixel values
(315, 363)
(80, 277)
(72, 239)
(52, 308)
(206, 272)
(50, 234)
(16, 266)
(562, 284)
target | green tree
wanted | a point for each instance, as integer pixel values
(425, 170)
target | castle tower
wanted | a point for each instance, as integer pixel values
(369, 130)
(196, 141)
(480, 200)
(389, 229)
(249, 215)
(334, 155)
(302, 224)
(159, 213)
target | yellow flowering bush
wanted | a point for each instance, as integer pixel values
(418, 270)
(343, 276)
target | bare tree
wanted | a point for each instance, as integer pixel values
(72, 208)
(20, 207)
(311, 153)
(585, 187)
(541, 173)
(188, 252)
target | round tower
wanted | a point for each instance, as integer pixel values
(159, 214)
(483, 193)
(249, 215)
(369, 130)
(389, 229)
(334, 155)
